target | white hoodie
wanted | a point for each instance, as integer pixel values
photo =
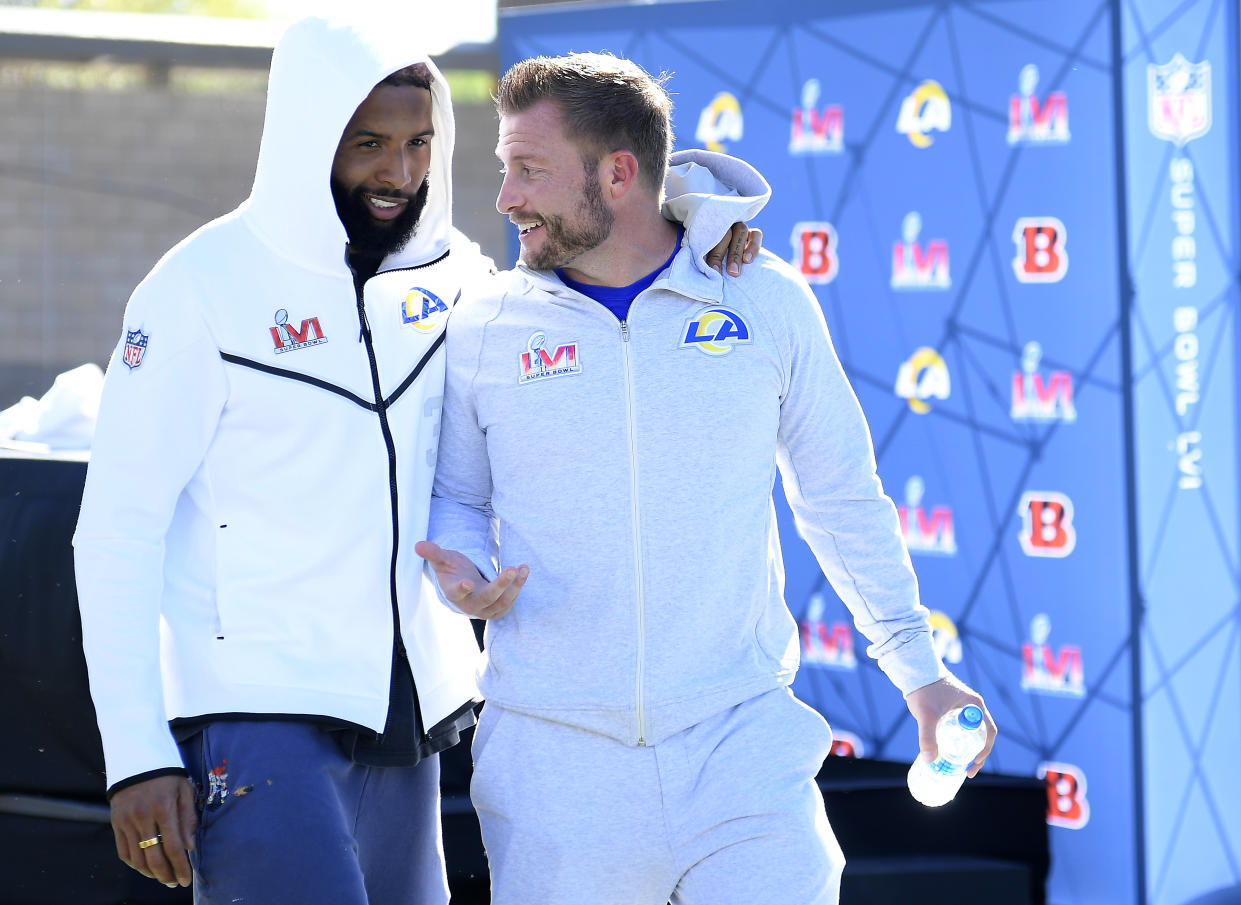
(630, 464)
(261, 470)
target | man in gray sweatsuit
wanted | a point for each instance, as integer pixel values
(616, 412)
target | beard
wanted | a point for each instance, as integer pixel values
(564, 241)
(373, 238)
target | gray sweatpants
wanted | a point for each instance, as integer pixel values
(725, 813)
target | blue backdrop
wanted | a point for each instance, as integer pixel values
(1021, 220)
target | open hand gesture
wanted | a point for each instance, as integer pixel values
(463, 584)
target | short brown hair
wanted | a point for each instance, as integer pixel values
(607, 103)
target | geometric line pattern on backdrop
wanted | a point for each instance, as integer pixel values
(862, 701)
(993, 589)
(1159, 673)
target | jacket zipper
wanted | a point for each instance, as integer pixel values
(637, 544)
(381, 408)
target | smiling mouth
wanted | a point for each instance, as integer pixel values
(383, 207)
(524, 229)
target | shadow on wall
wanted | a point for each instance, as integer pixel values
(1230, 895)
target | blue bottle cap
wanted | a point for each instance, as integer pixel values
(971, 717)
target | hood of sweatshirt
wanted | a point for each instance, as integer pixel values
(696, 198)
(321, 70)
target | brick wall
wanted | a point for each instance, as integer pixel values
(97, 183)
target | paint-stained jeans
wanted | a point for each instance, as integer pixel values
(284, 816)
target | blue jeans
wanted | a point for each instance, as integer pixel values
(285, 816)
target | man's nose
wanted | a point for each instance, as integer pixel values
(395, 171)
(508, 199)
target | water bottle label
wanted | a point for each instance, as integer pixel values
(944, 767)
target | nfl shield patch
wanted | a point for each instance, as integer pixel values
(135, 348)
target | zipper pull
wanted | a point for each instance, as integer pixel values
(364, 325)
(624, 332)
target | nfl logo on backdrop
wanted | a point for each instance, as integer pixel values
(1179, 100)
(135, 348)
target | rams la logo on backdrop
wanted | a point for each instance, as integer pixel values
(923, 376)
(945, 637)
(719, 122)
(423, 308)
(927, 109)
(716, 331)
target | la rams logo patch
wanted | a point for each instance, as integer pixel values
(716, 331)
(135, 347)
(423, 308)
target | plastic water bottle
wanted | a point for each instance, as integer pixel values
(960, 735)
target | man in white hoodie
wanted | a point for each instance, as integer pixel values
(616, 414)
(254, 615)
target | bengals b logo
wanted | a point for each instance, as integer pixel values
(814, 251)
(1067, 805)
(1046, 524)
(1041, 257)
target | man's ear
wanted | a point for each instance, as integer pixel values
(620, 172)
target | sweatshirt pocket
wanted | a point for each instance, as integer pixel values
(777, 634)
(241, 564)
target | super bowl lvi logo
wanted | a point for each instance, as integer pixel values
(720, 122)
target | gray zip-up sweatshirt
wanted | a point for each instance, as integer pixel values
(631, 465)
